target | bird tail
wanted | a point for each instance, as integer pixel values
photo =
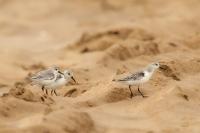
(32, 80)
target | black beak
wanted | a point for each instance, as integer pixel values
(60, 72)
(73, 79)
(162, 67)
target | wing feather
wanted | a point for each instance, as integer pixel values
(135, 76)
(44, 75)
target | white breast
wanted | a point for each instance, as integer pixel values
(58, 83)
(147, 76)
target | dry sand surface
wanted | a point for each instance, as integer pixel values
(98, 40)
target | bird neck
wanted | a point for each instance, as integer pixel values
(67, 78)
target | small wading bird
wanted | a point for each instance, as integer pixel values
(52, 78)
(139, 77)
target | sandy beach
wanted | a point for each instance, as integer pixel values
(99, 40)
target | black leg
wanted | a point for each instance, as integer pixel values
(52, 92)
(140, 92)
(131, 91)
(46, 91)
(43, 88)
(55, 92)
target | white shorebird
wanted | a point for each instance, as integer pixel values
(61, 79)
(51, 79)
(139, 77)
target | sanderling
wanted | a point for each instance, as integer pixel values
(139, 77)
(61, 79)
(46, 77)
(52, 78)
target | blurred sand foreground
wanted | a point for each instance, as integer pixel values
(99, 39)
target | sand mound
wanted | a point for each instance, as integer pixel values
(133, 49)
(32, 67)
(67, 121)
(111, 94)
(193, 41)
(27, 95)
(178, 67)
(70, 121)
(103, 40)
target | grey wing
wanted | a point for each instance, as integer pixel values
(44, 75)
(135, 76)
(59, 76)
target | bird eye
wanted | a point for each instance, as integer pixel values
(68, 73)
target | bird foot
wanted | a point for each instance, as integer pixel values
(131, 96)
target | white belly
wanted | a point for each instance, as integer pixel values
(56, 84)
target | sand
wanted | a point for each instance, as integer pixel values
(99, 40)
